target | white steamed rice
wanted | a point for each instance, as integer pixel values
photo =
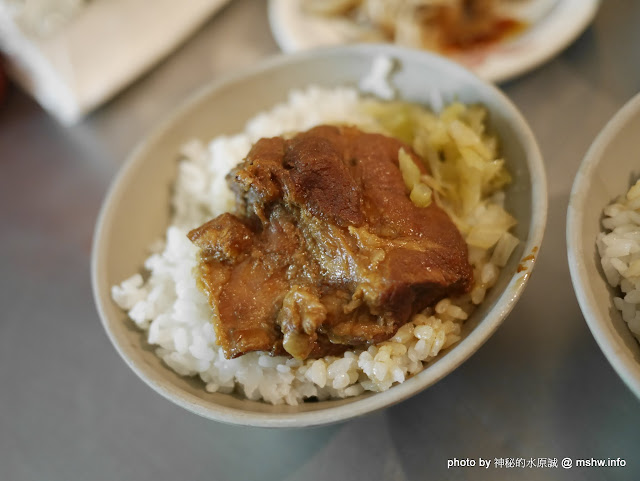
(177, 318)
(619, 249)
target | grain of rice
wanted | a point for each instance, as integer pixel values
(619, 254)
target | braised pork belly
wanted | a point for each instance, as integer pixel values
(325, 251)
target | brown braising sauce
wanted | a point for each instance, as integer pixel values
(502, 29)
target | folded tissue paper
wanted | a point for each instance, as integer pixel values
(72, 55)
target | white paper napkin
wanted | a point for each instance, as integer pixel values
(72, 55)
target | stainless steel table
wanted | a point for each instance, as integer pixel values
(71, 410)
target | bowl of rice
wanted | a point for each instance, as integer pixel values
(603, 241)
(485, 171)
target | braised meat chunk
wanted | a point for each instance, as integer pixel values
(326, 251)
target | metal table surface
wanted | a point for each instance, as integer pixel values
(70, 409)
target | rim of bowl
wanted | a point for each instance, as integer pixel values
(369, 402)
(627, 369)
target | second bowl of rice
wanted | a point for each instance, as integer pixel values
(143, 263)
(603, 241)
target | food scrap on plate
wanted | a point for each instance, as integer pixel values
(439, 25)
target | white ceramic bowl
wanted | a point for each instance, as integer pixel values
(607, 171)
(136, 212)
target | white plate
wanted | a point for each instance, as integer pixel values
(553, 25)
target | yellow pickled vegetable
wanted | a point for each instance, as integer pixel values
(421, 195)
(410, 171)
(464, 166)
